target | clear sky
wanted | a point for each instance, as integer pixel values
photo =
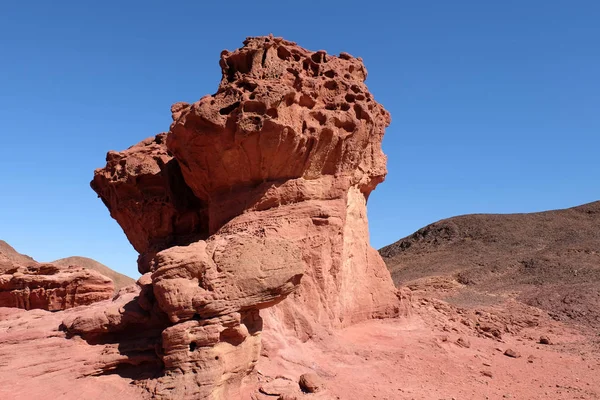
(495, 104)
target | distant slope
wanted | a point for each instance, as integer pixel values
(9, 254)
(119, 280)
(548, 259)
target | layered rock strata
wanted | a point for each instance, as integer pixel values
(256, 193)
(50, 287)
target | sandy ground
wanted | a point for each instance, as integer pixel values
(435, 351)
(423, 356)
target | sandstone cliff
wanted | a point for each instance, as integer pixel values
(27, 284)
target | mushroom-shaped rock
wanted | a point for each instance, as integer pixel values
(256, 193)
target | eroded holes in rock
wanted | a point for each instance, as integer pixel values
(330, 74)
(283, 53)
(217, 358)
(319, 57)
(304, 126)
(293, 71)
(247, 85)
(193, 346)
(331, 85)
(360, 97)
(344, 106)
(320, 221)
(306, 101)
(290, 98)
(347, 76)
(319, 116)
(257, 122)
(348, 126)
(250, 123)
(257, 107)
(252, 96)
(315, 69)
(361, 113)
(306, 64)
(227, 110)
(355, 88)
(331, 106)
(309, 66)
(351, 69)
(272, 112)
(350, 98)
(238, 63)
(196, 317)
(297, 85)
(264, 57)
(297, 57)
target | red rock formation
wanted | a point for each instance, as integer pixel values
(252, 188)
(145, 192)
(50, 287)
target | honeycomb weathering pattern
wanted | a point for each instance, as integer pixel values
(254, 200)
(281, 112)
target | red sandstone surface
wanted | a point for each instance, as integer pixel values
(259, 282)
(419, 355)
(255, 194)
(27, 284)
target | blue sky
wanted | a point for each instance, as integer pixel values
(495, 105)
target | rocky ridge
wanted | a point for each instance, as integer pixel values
(549, 260)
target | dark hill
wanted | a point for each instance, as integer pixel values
(548, 259)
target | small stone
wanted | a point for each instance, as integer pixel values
(545, 340)
(310, 382)
(511, 353)
(463, 342)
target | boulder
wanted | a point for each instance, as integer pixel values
(310, 382)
